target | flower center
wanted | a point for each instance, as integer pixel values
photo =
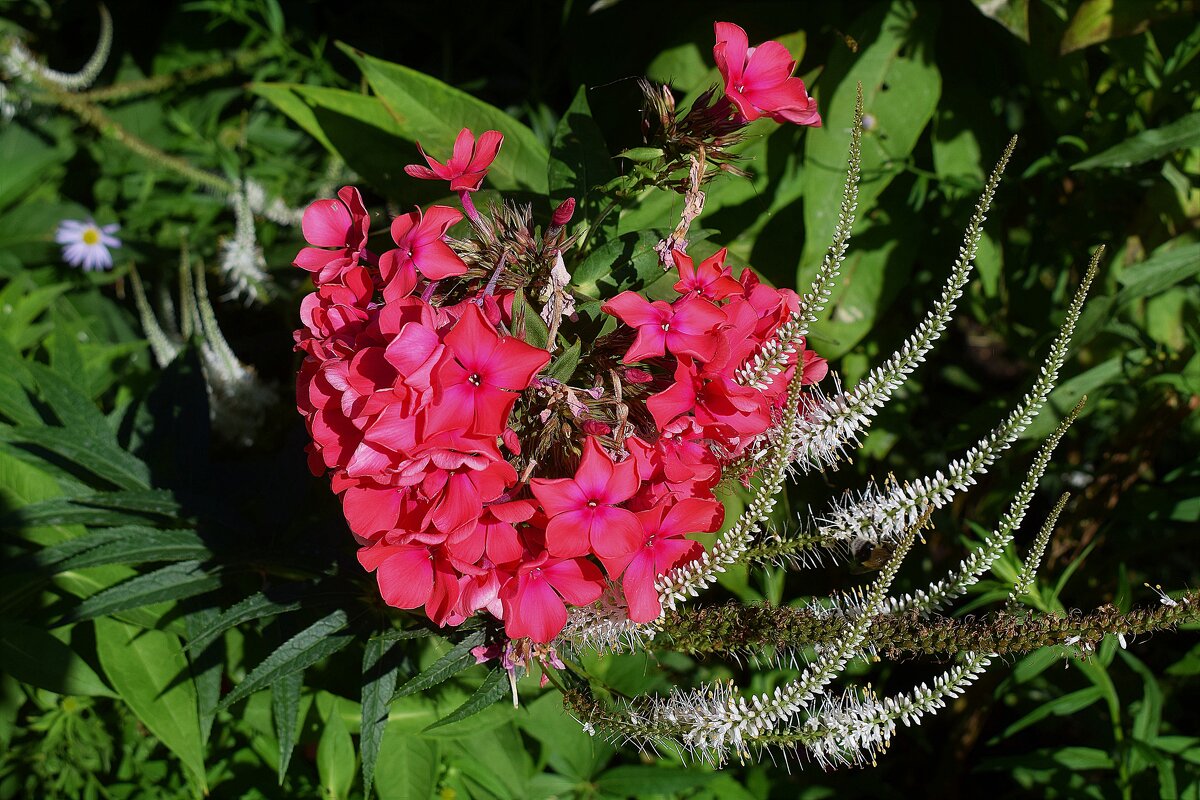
(91, 236)
(475, 380)
(593, 503)
(666, 326)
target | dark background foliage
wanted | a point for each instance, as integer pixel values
(1119, 724)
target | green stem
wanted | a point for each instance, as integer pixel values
(96, 117)
(734, 629)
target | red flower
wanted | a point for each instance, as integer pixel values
(662, 546)
(421, 239)
(686, 327)
(583, 510)
(533, 601)
(467, 165)
(341, 224)
(758, 80)
(712, 279)
(477, 387)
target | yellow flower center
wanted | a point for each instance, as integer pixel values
(91, 236)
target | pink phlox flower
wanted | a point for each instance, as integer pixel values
(467, 165)
(583, 511)
(725, 410)
(337, 230)
(711, 279)
(494, 534)
(477, 386)
(533, 601)
(411, 576)
(456, 496)
(421, 242)
(661, 548)
(758, 80)
(684, 327)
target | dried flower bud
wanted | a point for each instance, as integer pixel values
(595, 427)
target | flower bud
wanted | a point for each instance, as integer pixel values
(563, 214)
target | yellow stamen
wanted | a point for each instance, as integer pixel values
(91, 236)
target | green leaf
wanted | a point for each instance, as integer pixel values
(408, 766)
(1080, 758)
(256, 606)
(528, 325)
(1159, 272)
(33, 656)
(150, 672)
(1065, 705)
(103, 460)
(1012, 14)
(565, 745)
(28, 161)
(378, 682)
(563, 367)
(355, 127)
(494, 686)
(1097, 21)
(208, 668)
(1148, 718)
(335, 751)
(639, 781)
(172, 582)
(497, 761)
(1182, 134)
(321, 639)
(579, 159)
(455, 660)
(124, 545)
(901, 85)
(627, 262)
(78, 510)
(427, 110)
(285, 712)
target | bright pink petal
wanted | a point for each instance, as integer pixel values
(473, 340)
(594, 472)
(693, 515)
(635, 310)
(579, 581)
(464, 146)
(514, 363)
(325, 223)
(535, 611)
(730, 49)
(638, 583)
(770, 65)
(486, 150)
(568, 534)
(613, 531)
(651, 342)
(558, 495)
(406, 579)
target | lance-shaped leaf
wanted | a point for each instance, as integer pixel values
(455, 660)
(256, 606)
(425, 109)
(494, 686)
(285, 712)
(321, 639)
(173, 582)
(379, 675)
(130, 544)
(150, 672)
